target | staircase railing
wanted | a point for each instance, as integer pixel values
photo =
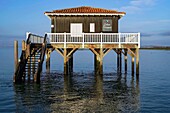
(40, 62)
(18, 74)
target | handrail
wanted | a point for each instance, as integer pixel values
(40, 62)
(20, 67)
(94, 38)
(18, 74)
(33, 38)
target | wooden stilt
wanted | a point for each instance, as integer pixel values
(71, 63)
(133, 59)
(137, 61)
(101, 61)
(125, 58)
(33, 64)
(48, 60)
(120, 61)
(65, 61)
(96, 60)
(24, 49)
(15, 55)
(29, 69)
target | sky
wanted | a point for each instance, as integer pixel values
(149, 17)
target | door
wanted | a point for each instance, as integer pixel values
(76, 29)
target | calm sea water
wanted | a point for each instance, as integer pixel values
(84, 91)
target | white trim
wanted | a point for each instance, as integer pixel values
(63, 14)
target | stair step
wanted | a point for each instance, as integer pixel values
(30, 68)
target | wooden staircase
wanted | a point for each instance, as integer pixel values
(31, 60)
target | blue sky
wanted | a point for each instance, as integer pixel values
(150, 17)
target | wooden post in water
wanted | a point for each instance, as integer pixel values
(133, 59)
(118, 61)
(71, 63)
(15, 55)
(96, 53)
(65, 61)
(125, 58)
(137, 61)
(48, 60)
(24, 49)
(101, 61)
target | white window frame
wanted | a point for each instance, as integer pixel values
(92, 27)
(76, 29)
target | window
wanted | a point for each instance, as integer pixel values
(92, 27)
(76, 29)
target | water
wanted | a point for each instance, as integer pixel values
(84, 91)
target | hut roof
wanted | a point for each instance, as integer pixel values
(85, 10)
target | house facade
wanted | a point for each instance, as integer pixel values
(84, 20)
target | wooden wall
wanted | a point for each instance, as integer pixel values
(62, 23)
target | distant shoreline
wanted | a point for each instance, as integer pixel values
(155, 48)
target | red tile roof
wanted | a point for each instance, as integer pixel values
(85, 9)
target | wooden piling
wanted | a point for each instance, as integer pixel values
(23, 45)
(101, 61)
(125, 58)
(71, 64)
(47, 60)
(15, 55)
(65, 61)
(137, 61)
(120, 60)
(133, 59)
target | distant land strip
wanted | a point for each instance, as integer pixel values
(155, 48)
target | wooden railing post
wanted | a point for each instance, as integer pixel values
(138, 40)
(101, 35)
(119, 39)
(83, 41)
(64, 39)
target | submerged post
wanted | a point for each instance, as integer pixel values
(15, 55)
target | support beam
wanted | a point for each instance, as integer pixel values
(106, 51)
(70, 52)
(60, 51)
(137, 61)
(95, 51)
(131, 52)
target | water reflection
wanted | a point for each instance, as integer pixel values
(80, 92)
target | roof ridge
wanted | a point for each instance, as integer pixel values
(86, 9)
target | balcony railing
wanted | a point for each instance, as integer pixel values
(94, 38)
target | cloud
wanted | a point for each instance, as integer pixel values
(142, 2)
(137, 5)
